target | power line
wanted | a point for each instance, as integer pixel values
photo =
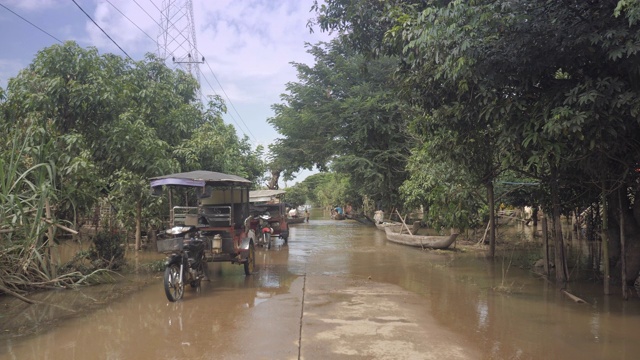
(199, 53)
(177, 18)
(227, 96)
(145, 11)
(131, 21)
(136, 25)
(231, 115)
(150, 17)
(101, 29)
(32, 24)
(181, 45)
(154, 4)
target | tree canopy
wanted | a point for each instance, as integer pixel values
(344, 115)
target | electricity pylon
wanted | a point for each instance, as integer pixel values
(177, 38)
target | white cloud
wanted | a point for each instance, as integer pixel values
(32, 4)
(127, 24)
(248, 44)
(254, 42)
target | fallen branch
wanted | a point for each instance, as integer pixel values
(60, 226)
(16, 295)
(573, 297)
(485, 234)
(29, 301)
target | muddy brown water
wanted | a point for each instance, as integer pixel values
(501, 311)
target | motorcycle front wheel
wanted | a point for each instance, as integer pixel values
(267, 239)
(173, 285)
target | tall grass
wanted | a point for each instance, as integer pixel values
(27, 187)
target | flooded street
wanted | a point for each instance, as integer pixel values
(339, 290)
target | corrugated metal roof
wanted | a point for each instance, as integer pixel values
(197, 178)
(264, 195)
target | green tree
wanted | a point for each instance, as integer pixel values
(296, 195)
(359, 129)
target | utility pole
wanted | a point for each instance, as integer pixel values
(177, 37)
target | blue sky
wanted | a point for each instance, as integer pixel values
(248, 44)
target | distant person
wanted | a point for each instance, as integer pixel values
(379, 217)
(306, 215)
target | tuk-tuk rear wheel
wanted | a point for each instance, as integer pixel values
(250, 263)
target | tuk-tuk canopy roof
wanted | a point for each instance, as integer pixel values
(264, 195)
(199, 178)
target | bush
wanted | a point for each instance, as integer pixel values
(107, 251)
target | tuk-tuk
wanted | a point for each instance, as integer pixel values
(221, 216)
(270, 202)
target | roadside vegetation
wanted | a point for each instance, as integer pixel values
(84, 131)
(456, 107)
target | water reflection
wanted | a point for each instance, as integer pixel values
(461, 290)
(595, 326)
(483, 311)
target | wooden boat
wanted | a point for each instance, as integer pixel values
(361, 218)
(384, 224)
(338, 216)
(394, 234)
(295, 220)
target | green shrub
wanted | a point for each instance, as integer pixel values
(107, 251)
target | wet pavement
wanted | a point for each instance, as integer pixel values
(337, 291)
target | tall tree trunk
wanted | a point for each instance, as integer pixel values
(138, 225)
(273, 182)
(492, 220)
(560, 259)
(545, 245)
(623, 250)
(605, 243)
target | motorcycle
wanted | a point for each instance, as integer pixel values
(186, 262)
(265, 230)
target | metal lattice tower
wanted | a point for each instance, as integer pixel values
(177, 38)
